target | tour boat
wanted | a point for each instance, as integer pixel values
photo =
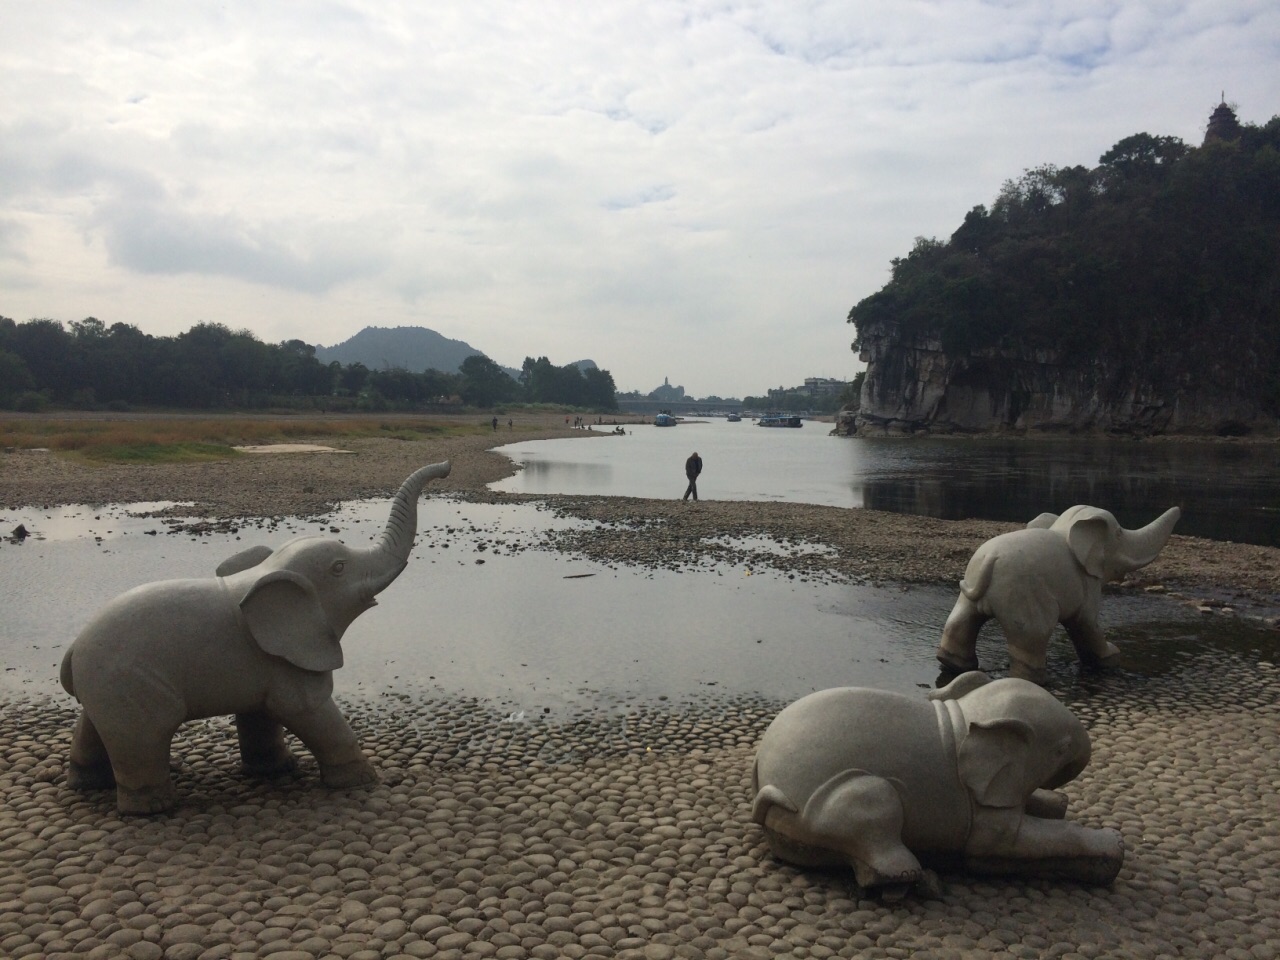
(779, 420)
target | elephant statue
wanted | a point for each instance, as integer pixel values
(1052, 572)
(260, 640)
(872, 780)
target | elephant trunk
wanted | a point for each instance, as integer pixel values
(402, 526)
(1137, 548)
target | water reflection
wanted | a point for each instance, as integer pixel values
(1227, 491)
(479, 613)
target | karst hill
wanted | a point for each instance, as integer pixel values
(1138, 297)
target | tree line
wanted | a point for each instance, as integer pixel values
(88, 364)
(1163, 261)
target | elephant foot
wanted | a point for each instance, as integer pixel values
(1109, 659)
(353, 773)
(891, 876)
(890, 872)
(1047, 805)
(1025, 671)
(1090, 855)
(265, 767)
(146, 800)
(956, 663)
(85, 776)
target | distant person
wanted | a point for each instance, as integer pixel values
(692, 467)
(509, 426)
(495, 423)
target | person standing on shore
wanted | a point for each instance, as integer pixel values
(692, 467)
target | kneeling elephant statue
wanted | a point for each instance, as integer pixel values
(874, 780)
(260, 640)
(1052, 572)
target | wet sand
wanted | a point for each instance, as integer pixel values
(611, 836)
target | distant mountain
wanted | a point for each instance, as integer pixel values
(411, 348)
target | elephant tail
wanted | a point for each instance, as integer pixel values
(64, 674)
(981, 570)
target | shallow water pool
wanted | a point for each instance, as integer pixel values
(483, 610)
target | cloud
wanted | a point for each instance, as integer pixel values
(12, 235)
(150, 238)
(648, 182)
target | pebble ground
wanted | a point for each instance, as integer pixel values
(624, 836)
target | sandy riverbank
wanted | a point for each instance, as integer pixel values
(614, 836)
(865, 544)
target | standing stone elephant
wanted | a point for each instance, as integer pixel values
(874, 780)
(260, 640)
(1052, 572)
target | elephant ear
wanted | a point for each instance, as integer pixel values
(1087, 539)
(243, 561)
(286, 620)
(992, 761)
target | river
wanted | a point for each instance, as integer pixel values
(1227, 490)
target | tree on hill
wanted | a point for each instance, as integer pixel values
(1163, 257)
(213, 366)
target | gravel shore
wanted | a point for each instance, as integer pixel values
(865, 544)
(622, 836)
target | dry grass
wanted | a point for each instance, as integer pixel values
(168, 440)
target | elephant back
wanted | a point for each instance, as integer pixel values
(905, 740)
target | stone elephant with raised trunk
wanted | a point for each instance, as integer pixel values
(1049, 573)
(260, 640)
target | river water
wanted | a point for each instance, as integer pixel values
(1227, 491)
(480, 612)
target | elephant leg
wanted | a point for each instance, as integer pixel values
(1092, 647)
(89, 767)
(1051, 850)
(1028, 649)
(140, 761)
(860, 816)
(330, 738)
(958, 650)
(262, 749)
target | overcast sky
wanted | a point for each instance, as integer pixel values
(672, 188)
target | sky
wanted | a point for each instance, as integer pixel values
(691, 190)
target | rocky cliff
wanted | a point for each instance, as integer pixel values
(1138, 297)
(912, 386)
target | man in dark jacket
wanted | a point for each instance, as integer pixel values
(692, 467)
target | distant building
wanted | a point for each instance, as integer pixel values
(1223, 125)
(667, 393)
(822, 387)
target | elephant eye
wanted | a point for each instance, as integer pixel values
(338, 567)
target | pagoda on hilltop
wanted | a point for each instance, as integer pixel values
(1223, 125)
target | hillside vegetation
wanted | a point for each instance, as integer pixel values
(210, 366)
(1162, 263)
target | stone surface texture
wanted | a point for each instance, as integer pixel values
(869, 779)
(1052, 572)
(913, 386)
